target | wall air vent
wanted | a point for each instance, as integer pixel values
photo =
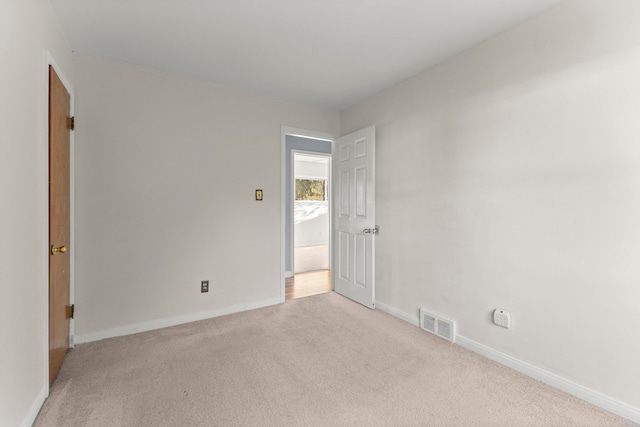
(438, 325)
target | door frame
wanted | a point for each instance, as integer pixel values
(44, 167)
(292, 233)
(304, 133)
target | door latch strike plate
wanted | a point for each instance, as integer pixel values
(71, 310)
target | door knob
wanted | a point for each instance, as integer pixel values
(59, 249)
(375, 230)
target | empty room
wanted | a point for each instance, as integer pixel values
(475, 167)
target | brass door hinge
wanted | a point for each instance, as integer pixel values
(71, 122)
(71, 310)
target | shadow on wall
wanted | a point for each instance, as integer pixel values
(311, 219)
(305, 210)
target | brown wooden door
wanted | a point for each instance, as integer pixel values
(59, 236)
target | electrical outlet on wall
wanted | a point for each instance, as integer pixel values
(502, 318)
(204, 286)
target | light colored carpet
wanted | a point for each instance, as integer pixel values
(316, 361)
(311, 258)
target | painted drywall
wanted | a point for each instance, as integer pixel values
(296, 143)
(28, 28)
(509, 176)
(312, 229)
(165, 179)
(311, 169)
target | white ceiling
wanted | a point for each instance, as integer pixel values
(330, 53)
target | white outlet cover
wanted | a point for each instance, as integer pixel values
(502, 318)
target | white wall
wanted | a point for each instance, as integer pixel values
(509, 176)
(311, 170)
(312, 228)
(27, 29)
(165, 180)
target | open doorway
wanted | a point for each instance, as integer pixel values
(352, 253)
(311, 225)
(311, 217)
(307, 215)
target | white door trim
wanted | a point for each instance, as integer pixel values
(44, 166)
(305, 133)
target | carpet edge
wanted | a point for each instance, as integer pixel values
(596, 398)
(554, 380)
(134, 328)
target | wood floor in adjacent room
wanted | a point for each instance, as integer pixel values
(306, 284)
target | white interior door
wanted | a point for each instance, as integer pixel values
(354, 216)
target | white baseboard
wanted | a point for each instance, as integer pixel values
(594, 397)
(170, 321)
(288, 274)
(414, 320)
(34, 410)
